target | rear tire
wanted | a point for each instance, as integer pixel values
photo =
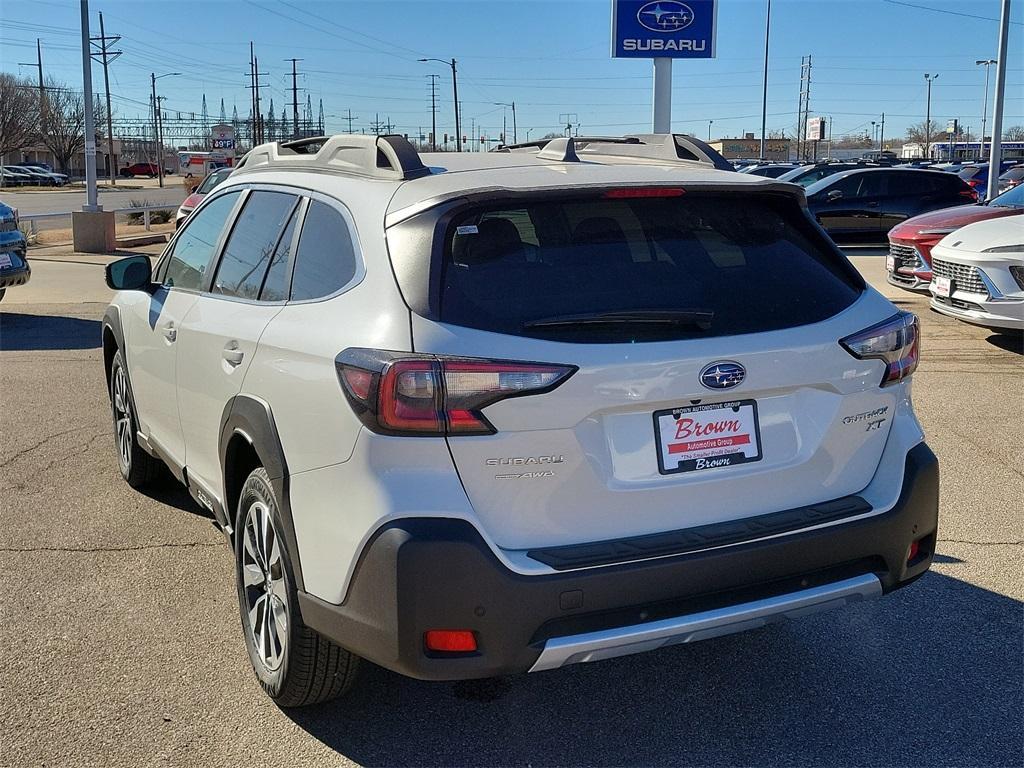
(295, 665)
(138, 468)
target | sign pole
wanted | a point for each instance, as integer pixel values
(662, 118)
(91, 203)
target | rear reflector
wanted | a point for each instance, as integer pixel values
(450, 640)
(896, 342)
(915, 547)
(628, 192)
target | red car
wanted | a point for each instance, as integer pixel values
(909, 263)
(139, 169)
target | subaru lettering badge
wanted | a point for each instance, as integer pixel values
(665, 16)
(722, 375)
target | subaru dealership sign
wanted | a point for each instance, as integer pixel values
(663, 29)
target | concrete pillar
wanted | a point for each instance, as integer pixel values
(93, 231)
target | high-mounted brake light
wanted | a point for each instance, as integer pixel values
(896, 342)
(629, 192)
(433, 395)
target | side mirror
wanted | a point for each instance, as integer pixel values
(133, 273)
(834, 195)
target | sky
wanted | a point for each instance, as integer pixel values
(551, 58)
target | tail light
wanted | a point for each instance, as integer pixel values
(896, 341)
(395, 393)
(625, 193)
(970, 193)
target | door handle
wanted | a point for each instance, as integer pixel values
(233, 356)
(170, 332)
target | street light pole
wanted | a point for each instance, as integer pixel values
(764, 89)
(515, 131)
(995, 154)
(153, 77)
(928, 119)
(91, 203)
(987, 63)
(709, 133)
(455, 97)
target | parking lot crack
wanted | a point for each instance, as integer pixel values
(18, 454)
(136, 548)
(1017, 543)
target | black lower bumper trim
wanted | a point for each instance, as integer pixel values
(420, 574)
(701, 537)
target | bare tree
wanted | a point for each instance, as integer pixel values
(917, 132)
(65, 123)
(1014, 133)
(19, 113)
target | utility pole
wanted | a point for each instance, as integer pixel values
(160, 139)
(928, 118)
(349, 119)
(107, 56)
(881, 136)
(295, 99)
(91, 204)
(995, 155)
(455, 98)
(987, 63)
(254, 85)
(38, 63)
(433, 112)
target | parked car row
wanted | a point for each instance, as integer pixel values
(14, 268)
(970, 258)
(32, 174)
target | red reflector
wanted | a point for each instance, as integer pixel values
(359, 382)
(914, 548)
(450, 640)
(625, 192)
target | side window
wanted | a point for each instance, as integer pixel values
(325, 260)
(848, 185)
(275, 286)
(195, 245)
(251, 243)
(910, 184)
(873, 184)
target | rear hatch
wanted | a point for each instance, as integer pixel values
(710, 384)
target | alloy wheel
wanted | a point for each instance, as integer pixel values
(122, 420)
(263, 582)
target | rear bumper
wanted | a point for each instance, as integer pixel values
(420, 574)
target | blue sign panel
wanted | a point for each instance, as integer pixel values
(663, 28)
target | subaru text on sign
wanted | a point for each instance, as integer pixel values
(664, 28)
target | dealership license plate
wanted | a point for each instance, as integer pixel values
(890, 263)
(943, 286)
(699, 437)
(5, 260)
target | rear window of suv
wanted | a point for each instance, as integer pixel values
(739, 264)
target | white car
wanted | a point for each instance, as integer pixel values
(466, 415)
(978, 274)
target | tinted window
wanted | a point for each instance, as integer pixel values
(325, 260)
(971, 171)
(194, 247)
(213, 180)
(754, 262)
(1014, 173)
(911, 184)
(1013, 197)
(251, 243)
(275, 286)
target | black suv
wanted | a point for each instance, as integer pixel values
(864, 204)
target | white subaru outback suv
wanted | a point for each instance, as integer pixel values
(465, 415)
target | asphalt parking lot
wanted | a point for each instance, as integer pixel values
(122, 643)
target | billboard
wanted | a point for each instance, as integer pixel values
(815, 128)
(222, 139)
(664, 29)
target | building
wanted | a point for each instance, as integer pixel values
(962, 150)
(749, 146)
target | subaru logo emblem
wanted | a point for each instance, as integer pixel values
(665, 16)
(722, 375)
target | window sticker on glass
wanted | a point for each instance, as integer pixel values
(467, 229)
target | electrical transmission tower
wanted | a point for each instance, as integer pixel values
(804, 107)
(295, 98)
(105, 56)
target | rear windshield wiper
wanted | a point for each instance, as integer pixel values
(697, 318)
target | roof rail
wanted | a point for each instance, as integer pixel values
(671, 147)
(382, 157)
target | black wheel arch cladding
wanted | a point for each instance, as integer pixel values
(249, 422)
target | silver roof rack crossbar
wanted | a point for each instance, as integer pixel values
(383, 157)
